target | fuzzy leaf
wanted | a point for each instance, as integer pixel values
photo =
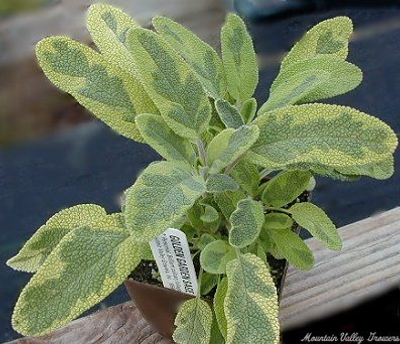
(193, 322)
(163, 140)
(229, 145)
(277, 221)
(247, 221)
(251, 302)
(317, 223)
(330, 135)
(203, 59)
(219, 299)
(229, 115)
(285, 187)
(381, 170)
(312, 79)
(170, 82)
(216, 335)
(328, 38)
(220, 183)
(204, 240)
(87, 265)
(293, 248)
(108, 27)
(160, 198)
(246, 175)
(36, 250)
(208, 282)
(210, 214)
(215, 256)
(248, 110)
(239, 58)
(227, 201)
(113, 95)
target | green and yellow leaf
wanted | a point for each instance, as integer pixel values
(36, 250)
(200, 56)
(220, 183)
(172, 85)
(246, 175)
(113, 95)
(229, 145)
(314, 219)
(329, 135)
(312, 79)
(208, 282)
(194, 321)
(86, 266)
(219, 299)
(246, 221)
(163, 140)
(160, 198)
(285, 187)
(215, 256)
(108, 27)
(290, 246)
(239, 58)
(227, 201)
(228, 114)
(251, 302)
(328, 38)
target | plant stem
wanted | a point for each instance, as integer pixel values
(199, 282)
(279, 209)
(202, 151)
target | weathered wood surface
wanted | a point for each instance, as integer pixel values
(116, 325)
(369, 264)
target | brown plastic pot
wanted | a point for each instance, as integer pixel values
(158, 306)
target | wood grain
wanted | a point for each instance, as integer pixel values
(369, 264)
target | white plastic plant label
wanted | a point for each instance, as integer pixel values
(172, 255)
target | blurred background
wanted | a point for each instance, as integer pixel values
(54, 154)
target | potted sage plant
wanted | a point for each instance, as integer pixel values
(229, 182)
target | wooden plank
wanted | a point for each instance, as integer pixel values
(369, 264)
(118, 324)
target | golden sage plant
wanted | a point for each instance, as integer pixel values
(172, 91)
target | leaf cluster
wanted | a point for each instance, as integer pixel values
(230, 177)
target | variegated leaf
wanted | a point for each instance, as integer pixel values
(220, 183)
(163, 140)
(199, 55)
(314, 219)
(285, 187)
(160, 198)
(277, 221)
(312, 79)
(87, 265)
(248, 110)
(219, 299)
(246, 221)
(228, 200)
(251, 302)
(239, 58)
(329, 135)
(290, 246)
(193, 323)
(246, 175)
(36, 250)
(108, 27)
(328, 38)
(215, 256)
(229, 145)
(172, 85)
(113, 95)
(229, 115)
